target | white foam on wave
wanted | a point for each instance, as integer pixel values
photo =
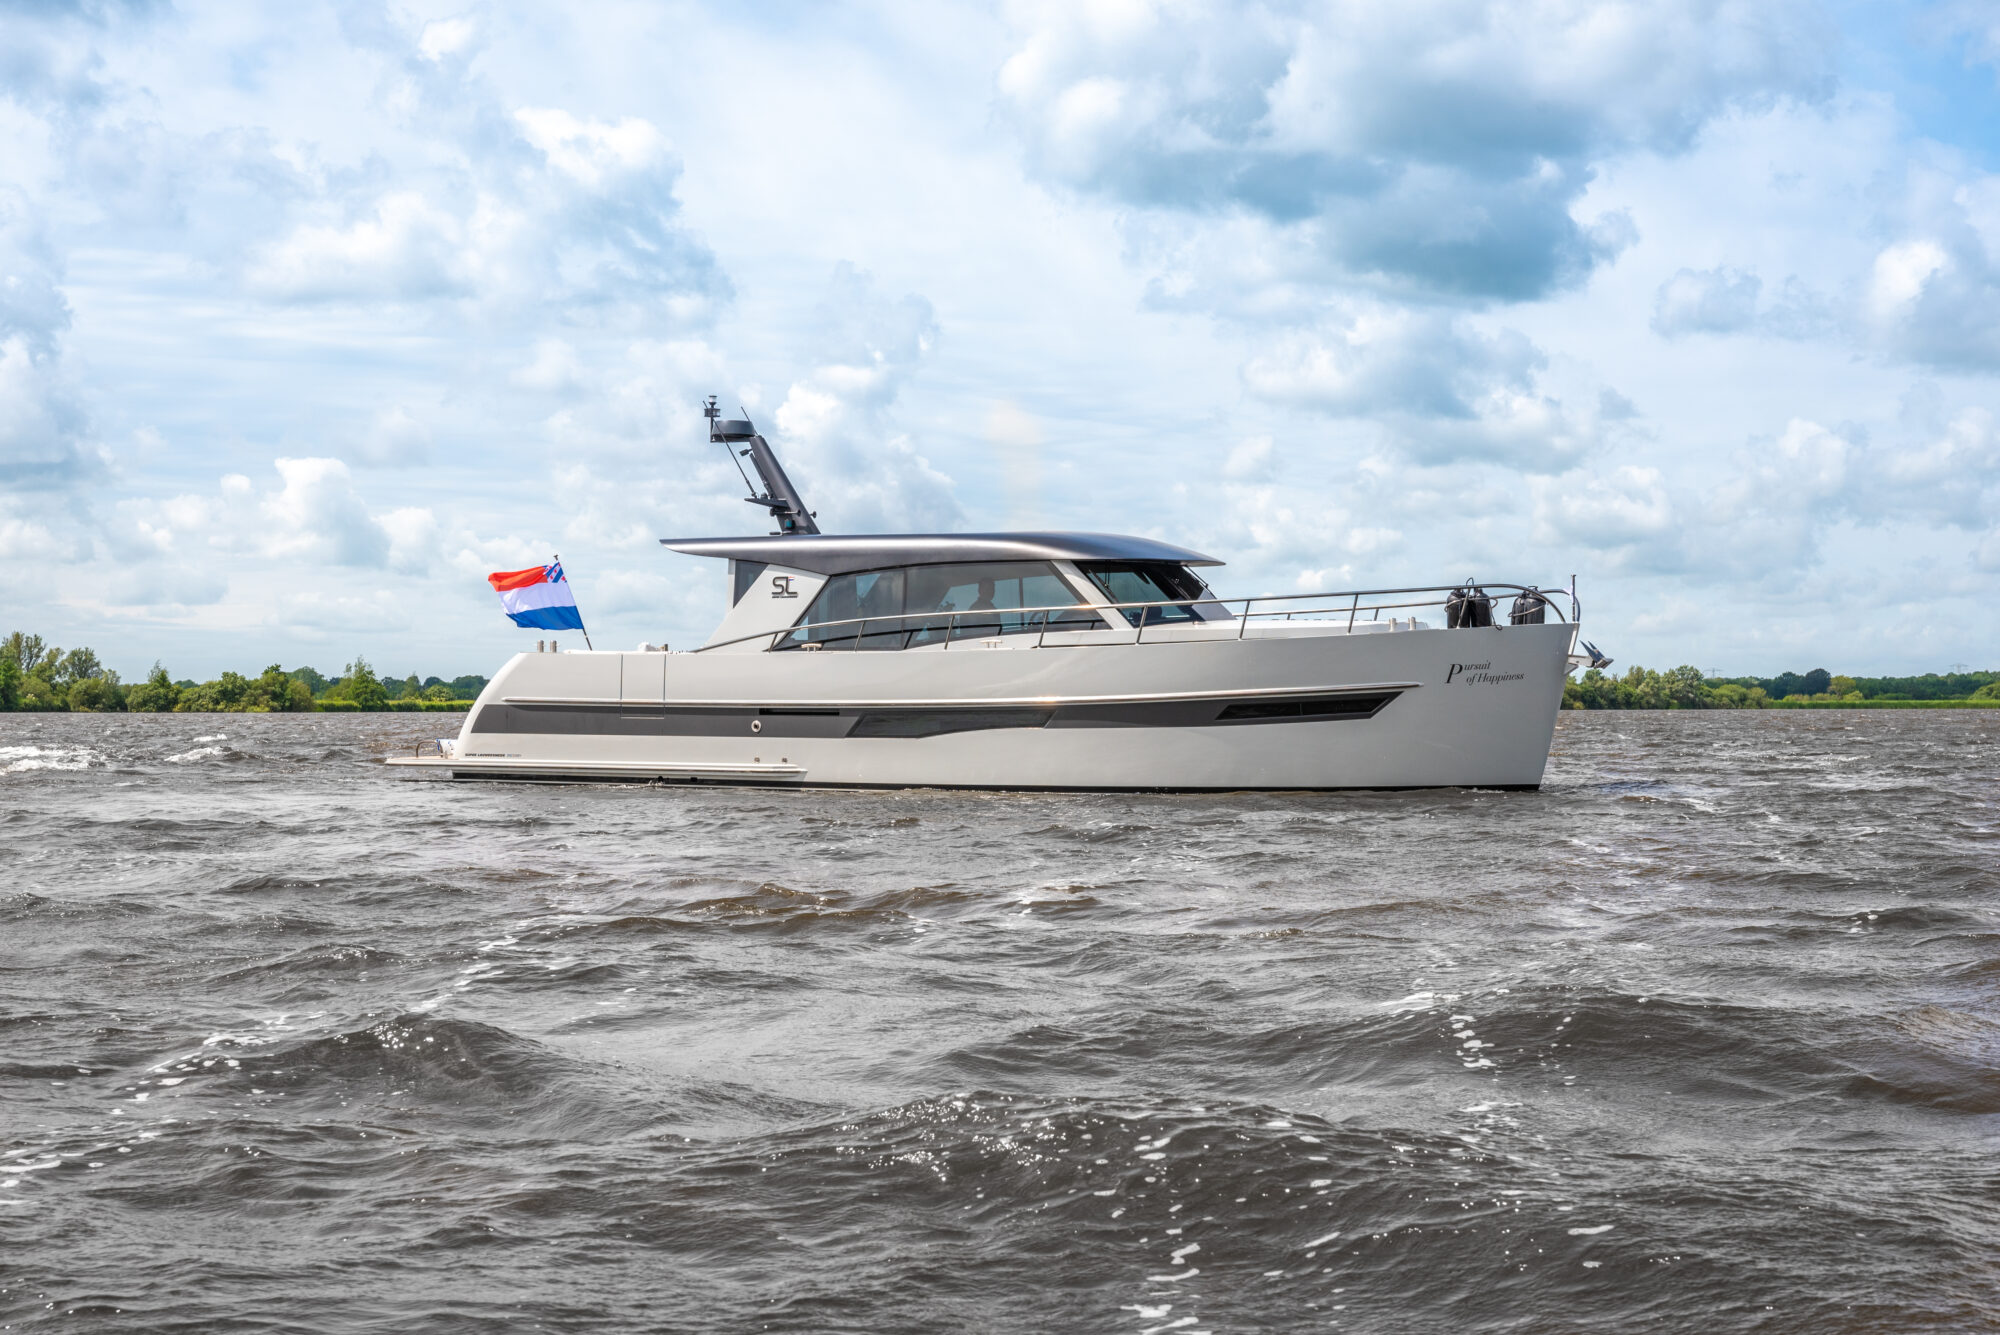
(217, 737)
(199, 753)
(22, 759)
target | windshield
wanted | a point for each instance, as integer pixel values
(1153, 582)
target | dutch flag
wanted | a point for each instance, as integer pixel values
(538, 596)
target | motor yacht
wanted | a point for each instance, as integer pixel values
(1080, 661)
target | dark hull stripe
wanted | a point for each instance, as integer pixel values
(612, 720)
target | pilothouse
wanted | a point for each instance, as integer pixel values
(1059, 660)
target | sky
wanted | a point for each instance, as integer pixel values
(311, 315)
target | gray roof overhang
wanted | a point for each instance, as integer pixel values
(841, 554)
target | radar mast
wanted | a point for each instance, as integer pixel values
(779, 496)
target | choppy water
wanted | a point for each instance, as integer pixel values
(1705, 1035)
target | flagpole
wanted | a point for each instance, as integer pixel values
(579, 611)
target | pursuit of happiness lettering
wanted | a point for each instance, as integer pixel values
(1479, 674)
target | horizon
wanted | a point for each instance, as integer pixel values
(313, 318)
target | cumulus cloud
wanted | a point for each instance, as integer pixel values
(1709, 301)
(835, 420)
(586, 218)
(400, 246)
(313, 515)
(514, 210)
(45, 437)
(43, 430)
(1626, 515)
(1443, 390)
(1269, 523)
(1769, 515)
(1725, 300)
(442, 39)
(1439, 146)
(1932, 295)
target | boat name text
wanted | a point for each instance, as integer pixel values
(1479, 674)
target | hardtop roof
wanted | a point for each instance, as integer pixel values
(841, 554)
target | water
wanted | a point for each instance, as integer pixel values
(1706, 1034)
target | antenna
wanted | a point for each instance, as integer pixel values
(779, 496)
(711, 412)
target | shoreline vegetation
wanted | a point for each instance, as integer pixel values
(36, 676)
(1691, 688)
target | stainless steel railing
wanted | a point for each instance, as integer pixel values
(1316, 607)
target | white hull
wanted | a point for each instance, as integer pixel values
(1295, 706)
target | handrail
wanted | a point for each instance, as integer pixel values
(1243, 619)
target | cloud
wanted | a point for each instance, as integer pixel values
(1437, 146)
(314, 516)
(1951, 478)
(512, 214)
(1251, 460)
(394, 439)
(553, 369)
(45, 437)
(44, 442)
(1728, 301)
(163, 587)
(1624, 515)
(33, 539)
(594, 152)
(1932, 294)
(1711, 301)
(1443, 390)
(321, 616)
(445, 38)
(402, 247)
(835, 420)
(1382, 359)
(1768, 517)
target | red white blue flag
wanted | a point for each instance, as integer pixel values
(538, 596)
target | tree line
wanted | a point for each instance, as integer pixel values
(1691, 688)
(35, 675)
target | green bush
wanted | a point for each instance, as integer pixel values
(1643, 688)
(359, 684)
(97, 694)
(155, 695)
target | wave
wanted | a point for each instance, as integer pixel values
(27, 759)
